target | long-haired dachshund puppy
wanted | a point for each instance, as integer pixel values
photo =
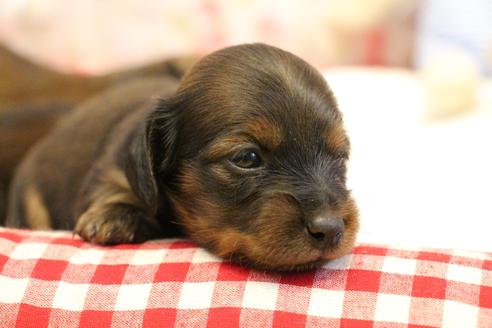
(246, 156)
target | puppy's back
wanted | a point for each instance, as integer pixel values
(47, 181)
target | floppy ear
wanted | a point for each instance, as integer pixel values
(151, 152)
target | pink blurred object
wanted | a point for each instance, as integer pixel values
(97, 36)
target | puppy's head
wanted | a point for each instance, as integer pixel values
(251, 153)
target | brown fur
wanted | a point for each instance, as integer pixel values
(36, 212)
(33, 97)
(126, 167)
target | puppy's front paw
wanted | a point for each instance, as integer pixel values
(116, 224)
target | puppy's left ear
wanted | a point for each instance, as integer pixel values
(151, 153)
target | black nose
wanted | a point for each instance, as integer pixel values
(324, 231)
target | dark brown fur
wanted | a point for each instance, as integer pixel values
(33, 97)
(126, 168)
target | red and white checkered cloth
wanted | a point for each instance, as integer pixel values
(56, 280)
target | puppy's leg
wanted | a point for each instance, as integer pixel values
(115, 215)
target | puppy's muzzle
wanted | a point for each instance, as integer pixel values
(325, 232)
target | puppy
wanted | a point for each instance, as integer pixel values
(247, 157)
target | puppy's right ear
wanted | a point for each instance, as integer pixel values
(152, 152)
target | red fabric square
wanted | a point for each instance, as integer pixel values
(109, 274)
(352, 323)
(363, 280)
(95, 319)
(429, 287)
(33, 316)
(485, 297)
(3, 260)
(159, 318)
(180, 244)
(298, 279)
(231, 272)
(432, 256)
(126, 246)
(12, 236)
(172, 272)
(223, 317)
(49, 269)
(286, 319)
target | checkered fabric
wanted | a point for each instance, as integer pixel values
(54, 279)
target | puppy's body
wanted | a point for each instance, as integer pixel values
(62, 169)
(33, 97)
(247, 157)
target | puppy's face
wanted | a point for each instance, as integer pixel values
(260, 161)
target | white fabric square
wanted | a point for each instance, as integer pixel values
(12, 290)
(464, 274)
(392, 308)
(459, 315)
(326, 303)
(70, 296)
(7, 246)
(133, 297)
(145, 257)
(340, 263)
(399, 265)
(87, 256)
(260, 295)
(28, 251)
(179, 255)
(203, 256)
(196, 295)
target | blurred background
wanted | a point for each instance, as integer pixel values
(412, 77)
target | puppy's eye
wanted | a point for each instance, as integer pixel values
(247, 159)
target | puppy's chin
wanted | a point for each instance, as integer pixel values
(242, 260)
(309, 260)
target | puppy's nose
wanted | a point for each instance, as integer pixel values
(325, 231)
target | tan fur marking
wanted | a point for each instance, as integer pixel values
(336, 139)
(36, 213)
(114, 188)
(263, 131)
(226, 146)
(266, 132)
